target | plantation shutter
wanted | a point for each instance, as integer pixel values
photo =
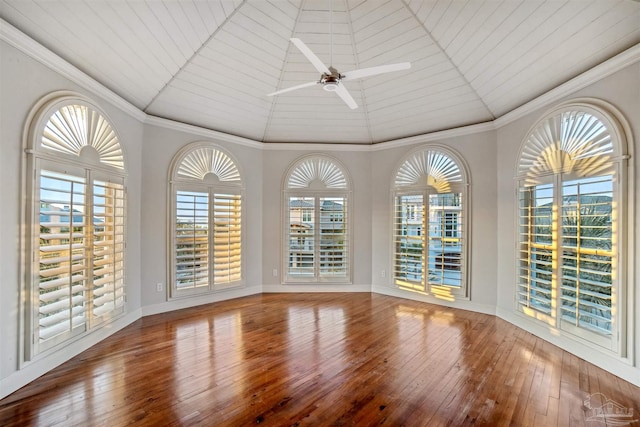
(333, 237)
(108, 248)
(191, 240)
(63, 260)
(536, 249)
(301, 236)
(446, 239)
(409, 241)
(587, 256)
(226, 238)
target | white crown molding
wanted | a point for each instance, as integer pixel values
(300, 146)
(201, 132)
(436, 136)
(27, 45)
(30, 47)
(589, 77)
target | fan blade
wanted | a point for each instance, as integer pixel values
(365, 72)
(315, 61)
(289, 89)
(346, 96)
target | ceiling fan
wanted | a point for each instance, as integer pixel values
(331, 79)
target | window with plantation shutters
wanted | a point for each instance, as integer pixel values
(430, 227)
(317, 238)
(569, 223)
(206, 214)
(77, 211)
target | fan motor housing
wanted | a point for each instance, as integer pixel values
(330, 81)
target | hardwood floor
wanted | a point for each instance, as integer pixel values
(320, 359)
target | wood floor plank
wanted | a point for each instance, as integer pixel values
(318, 359)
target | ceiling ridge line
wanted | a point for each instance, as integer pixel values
(274, 101)
(196, 53)
(365, 106)
(441, 49)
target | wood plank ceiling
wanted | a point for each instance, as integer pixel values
(211, 63)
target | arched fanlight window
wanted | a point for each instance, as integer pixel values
(571, 178)
(430, 223)
(77, 211)
(204, 162)
(317, 237)
(574, 142)
(317, 173)
(206, 221)
(79, 129)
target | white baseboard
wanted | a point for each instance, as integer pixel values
(270, 289)
(36, 368)
(609, 362)
(462, 304)
(180, 303)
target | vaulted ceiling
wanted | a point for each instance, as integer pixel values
(211, 63)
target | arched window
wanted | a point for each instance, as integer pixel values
(430, 223)
(571, 179)
(206, 221)
(76, 208)
(317, 237)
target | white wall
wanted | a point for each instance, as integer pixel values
(622, 90)
(25, 81)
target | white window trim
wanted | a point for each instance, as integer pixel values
(35, 157)
(316, 194)
(622, 343)
(177, 183)
(463, 187)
